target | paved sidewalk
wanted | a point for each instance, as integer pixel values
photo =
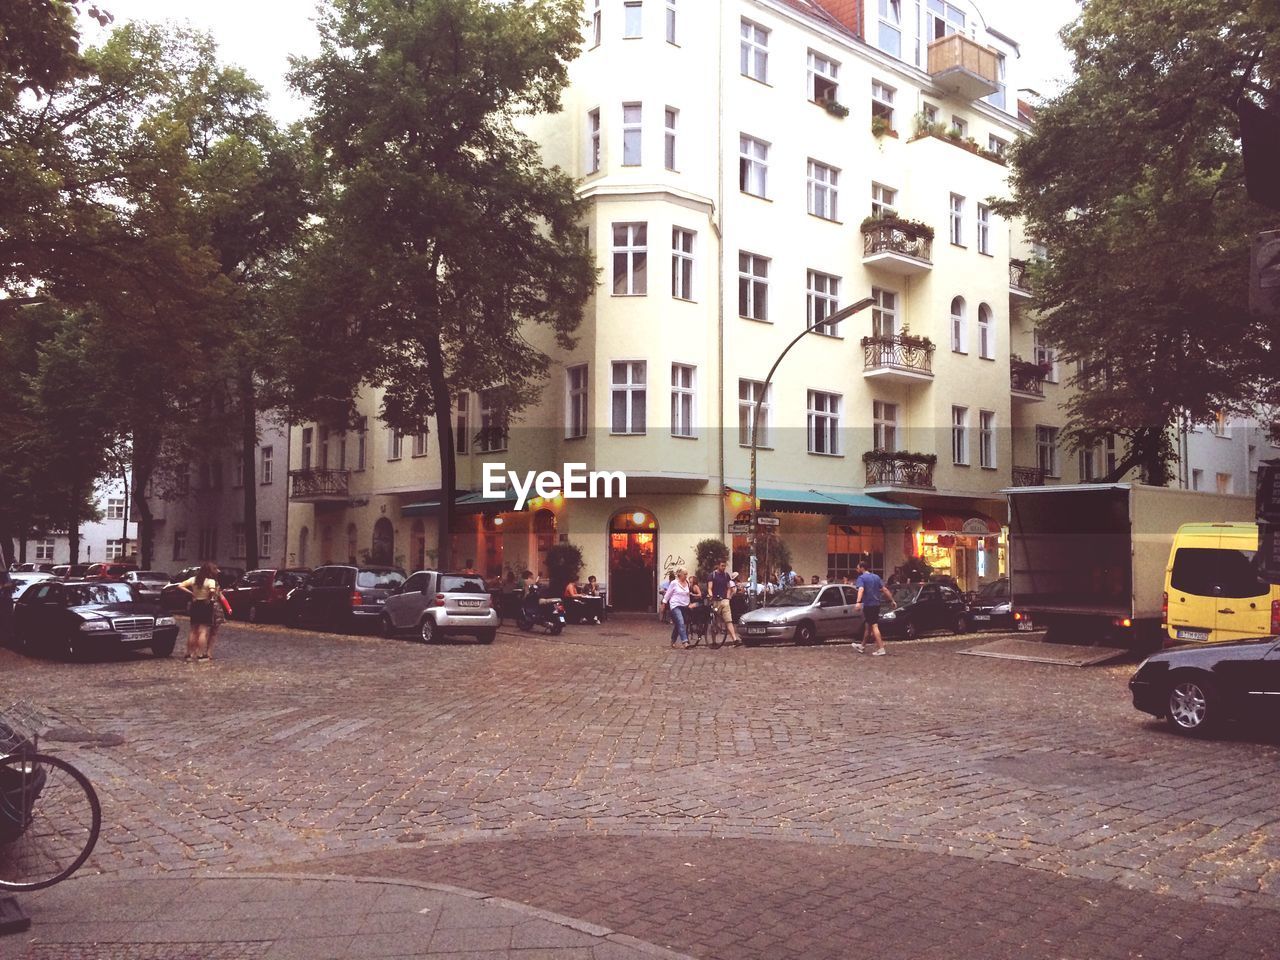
(299, 917)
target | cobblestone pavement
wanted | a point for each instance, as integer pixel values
(298, 746)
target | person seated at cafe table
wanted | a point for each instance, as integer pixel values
(577, 608)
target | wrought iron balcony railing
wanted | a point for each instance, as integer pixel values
(1018, 276)
(899, 470)
(895, 236)
(1026, 378)
(1028, 477)
(910, 354)
(319, 485)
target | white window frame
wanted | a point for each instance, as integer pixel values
(683, 245)
(823, 421)
(884, 425)
(596, 32)
(633, 19)
(1044, 355)
(749, 391)
(997, 145)
(44, 549)
(884, 200)
(753, 286)
(987, 454)
(753, 166)
(824, 78)
(929, 111)
(882, 100)
(671, 22)
(959, 126)
(986, 333)
(890, 22)
(395, 444)
(577, 393)
(362, 443)
(115, 549)
(823, 190)
(959, 435)
(884, 313)
(179, 544)
(984, 229)
(943, 20)
(115, 508)
(957, 219)
(632, 134)
(631, 388)
(753, 58)
(307, 447)
(822, 298)
(684, 400)
(268, 465)
(959, 326)
(421, 441)
(634, 254)
(264, 540)
(490, 417)
(1047, 450)
(461, 424)
(671, 122)
(594, 155)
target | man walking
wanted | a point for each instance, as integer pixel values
(722, 588)
(870, 589)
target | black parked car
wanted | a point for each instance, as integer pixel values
(261, 595)
(1198, 688)
(82, 616)
(991, 606)
(343, 598)
(922, 607)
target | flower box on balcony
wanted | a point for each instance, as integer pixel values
(899, 468)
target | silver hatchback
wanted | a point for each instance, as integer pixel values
(431, 605)
(804, 614)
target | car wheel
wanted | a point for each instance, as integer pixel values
(555, 629)
(427, 631)
(805, 635)
(164, 649)
(486, 636)
(911, 631)
(1192, 704)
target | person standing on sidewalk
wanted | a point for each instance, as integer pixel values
(870, 589)
(676, 600)
(722, 590)
(203, 589)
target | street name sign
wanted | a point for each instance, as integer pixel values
(768, 521)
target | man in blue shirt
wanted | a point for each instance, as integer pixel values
(722, 589)
(870, 589)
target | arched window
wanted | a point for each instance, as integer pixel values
(959, 336)
(986, 333)
(384, 542)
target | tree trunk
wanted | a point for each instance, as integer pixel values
(442, 398)
(146, 451)
(248, 464)
(127, 513)
(73, 524)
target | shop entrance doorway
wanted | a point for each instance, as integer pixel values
(633, 561)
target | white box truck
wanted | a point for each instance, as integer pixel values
(1087, 561)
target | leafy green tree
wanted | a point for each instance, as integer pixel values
(1133, 179)
(708, 554)
(39, 43)
(443, 240)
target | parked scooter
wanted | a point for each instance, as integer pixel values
(540, 611)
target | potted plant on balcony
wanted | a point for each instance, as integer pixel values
(926, 128)
(900, 456)
(892, 221)
(911, 340)
(880, 126)
(835, 108)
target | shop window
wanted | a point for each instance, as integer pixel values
(847, 544)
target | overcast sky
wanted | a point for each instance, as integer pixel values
(259, 35)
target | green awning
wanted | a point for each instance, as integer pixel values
(854, 505)
(464, 502)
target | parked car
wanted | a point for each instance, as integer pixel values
(71, 571)
(991, 607)
(435, 604)
(922, 607)
(6, 605)
(342, 597)
(262, 595)
(29, 567)
(86, 616)
(172, 598)
(23, 580)
(1212, 591)
(150, 583)
(806, 614)
(1197, 689)
(108, 571)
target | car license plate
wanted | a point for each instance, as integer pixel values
(1026, 625)
(136, 636)
(982, 616)
(1193, 634)
(471, 603)
(755, 630)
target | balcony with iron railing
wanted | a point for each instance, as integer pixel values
(899, 358)
(964, 67)
(1026, 380)
(1019, 278)
(1028, 477)
(313, 485)
(899, 468)
(897, 246)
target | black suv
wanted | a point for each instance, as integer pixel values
(343, 598)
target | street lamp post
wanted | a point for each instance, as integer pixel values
(833, 318)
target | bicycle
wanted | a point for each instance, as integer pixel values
(50, 817)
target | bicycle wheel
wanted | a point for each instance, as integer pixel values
(696, 628)
(49, 821)
(716, 631)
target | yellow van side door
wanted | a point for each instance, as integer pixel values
(1192, 578)
(1244, 601)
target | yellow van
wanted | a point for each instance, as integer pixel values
(1212, 593)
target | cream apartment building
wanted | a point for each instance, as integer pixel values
(731, 152)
